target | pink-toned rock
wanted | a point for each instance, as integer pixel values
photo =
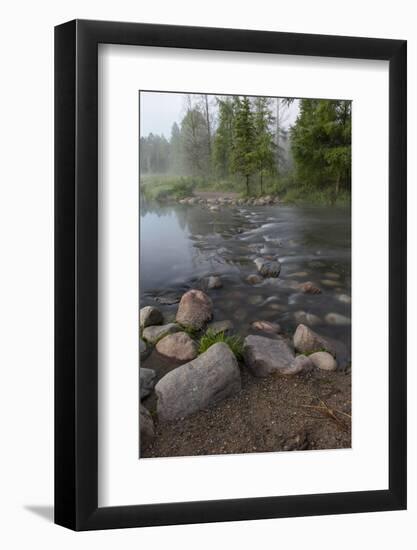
(194, 310)
(309, 288)
(178, 347)
(266, 326)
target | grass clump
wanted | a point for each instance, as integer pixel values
(160, 188)
(235, 343)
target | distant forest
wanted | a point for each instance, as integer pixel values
(243, 144)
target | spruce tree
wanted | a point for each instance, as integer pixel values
(264, 138)
(243, 160)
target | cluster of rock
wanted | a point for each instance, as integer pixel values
(215, 203)
(204, 380)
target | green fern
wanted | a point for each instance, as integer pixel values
(235, 343)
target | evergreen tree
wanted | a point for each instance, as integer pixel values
(243, 159)
(264, 138)
(223, 141)
(321, 143)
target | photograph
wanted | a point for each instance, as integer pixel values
(245, 274)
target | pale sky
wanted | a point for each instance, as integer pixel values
(159, 111)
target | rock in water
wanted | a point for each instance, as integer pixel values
(308, 341)
(216, 327)
(254, 279)
(345, 298)
(168, 299)
(336, 319)
(323, 360)
(199, 384)
(265, 356)
(147, 379)
(178, 347)
(307, 318)
(266, 326)
(309, 288)
(144, 350)
(268, 268)
(214, 282)
(194, 310)
(153, 334)
(146, 428)
(149, 316)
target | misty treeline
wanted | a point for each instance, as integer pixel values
(241, 142)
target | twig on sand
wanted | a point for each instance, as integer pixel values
(328, 412)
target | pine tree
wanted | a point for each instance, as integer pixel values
(223, 141)
(321, 143)
(264, 138)
(243, 158)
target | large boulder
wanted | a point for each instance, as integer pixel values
(265, 356)
(178, 347)
(199, 384)
(147, 380)
(194, 310)
(308, 341)
(149, 316)
(268, 268)
(146, 427)
(153, 334)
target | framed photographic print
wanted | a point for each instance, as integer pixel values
(230, 275)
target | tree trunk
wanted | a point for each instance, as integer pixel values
(337, 185)
(262, 188)
(247, 184)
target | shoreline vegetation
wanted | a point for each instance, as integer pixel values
(244, 145)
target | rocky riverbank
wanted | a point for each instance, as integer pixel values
(262, 391)
(216, 200)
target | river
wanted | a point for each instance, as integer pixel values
(181, 245)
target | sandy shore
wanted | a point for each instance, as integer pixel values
(306, 412)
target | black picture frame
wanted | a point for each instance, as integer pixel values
(76, 272)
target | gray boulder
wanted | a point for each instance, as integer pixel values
(146, 427)
(199, 384)
(194, 310)
(149, 316)
(153, 334)
(268, 268)
(265, 356)
(178, 347)
(147, 380)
